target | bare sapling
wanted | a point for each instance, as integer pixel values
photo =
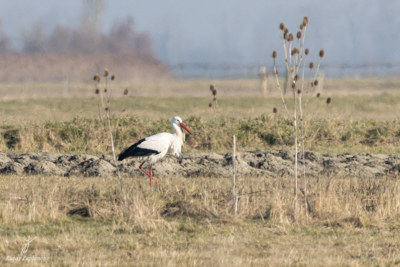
(106, 109)
(295, 55)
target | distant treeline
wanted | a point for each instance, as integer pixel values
(79, 67)
(76, 54)
(87, 38)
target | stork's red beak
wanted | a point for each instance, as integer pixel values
(184, 127)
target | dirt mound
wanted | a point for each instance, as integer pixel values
(254, 163)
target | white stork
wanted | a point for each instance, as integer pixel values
(156, 146)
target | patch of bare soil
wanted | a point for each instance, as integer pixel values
(253, 163)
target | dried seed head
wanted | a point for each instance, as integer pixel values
(211, 87)
(318, 95)
(316, 82)
(305, 21)
(214, 99)
(299, 91)
(275, 110)
(298, 35)
(296, 77)
(97, 91)
(125, 91)
(293, 85)
(290, 37)
(311, 65)
(321, 53)
(214, 92)
(284, 36)
(285, 30)
(328, 101)
(106, 109)
(307, 51)
(282, 26)
(112, 77)
(105, 73)
(301, 26)
(276, 72)
(210, 105)
(296, 50)
(274, 54)
(96, 78)
(105, 90)
(123, 110)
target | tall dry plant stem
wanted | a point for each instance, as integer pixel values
(280, 90)
(295, 56)
(302, 51)
(114, 157)
(303, 157)
(295, 155)
(316, 71)
(99, 100)
(303, 55)
(235, 195)
(292, 75)
(107, 111)
(286, 57)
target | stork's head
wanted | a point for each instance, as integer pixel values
(178, 121)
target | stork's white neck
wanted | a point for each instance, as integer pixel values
(177, 130)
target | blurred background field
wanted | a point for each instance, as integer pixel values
(373, 98)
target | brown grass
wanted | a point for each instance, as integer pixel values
(351, 221)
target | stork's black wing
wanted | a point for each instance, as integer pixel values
(135, 151)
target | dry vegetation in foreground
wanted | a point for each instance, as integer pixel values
(351, 222)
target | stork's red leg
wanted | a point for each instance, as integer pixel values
(151, 177)
(141, 168)
(149, 174)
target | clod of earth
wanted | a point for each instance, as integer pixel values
(273, 163)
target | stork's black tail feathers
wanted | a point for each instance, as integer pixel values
(135, 151)
(127, 152)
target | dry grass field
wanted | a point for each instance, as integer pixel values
(80, 221)
(352, 222)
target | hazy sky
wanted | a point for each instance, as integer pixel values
(243, 32)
